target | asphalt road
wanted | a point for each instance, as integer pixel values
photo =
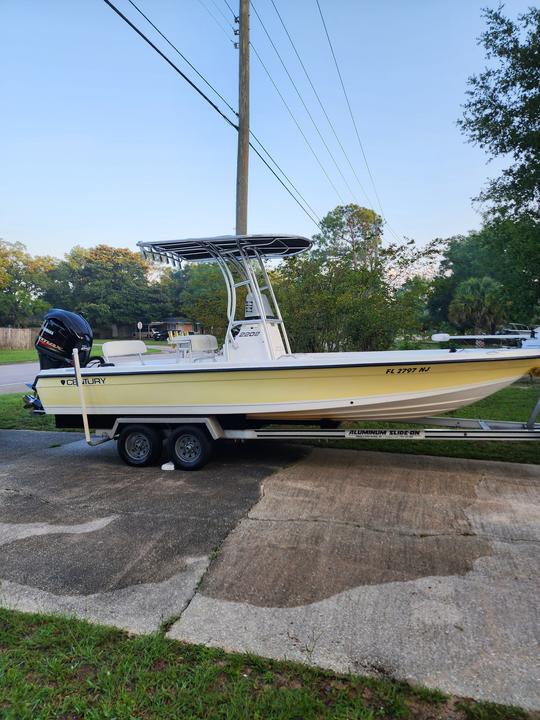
(417, 568)
(13, 378)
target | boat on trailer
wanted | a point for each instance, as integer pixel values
(255, 379)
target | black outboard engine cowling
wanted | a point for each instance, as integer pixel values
(60, 333)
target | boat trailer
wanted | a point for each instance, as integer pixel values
(190, 437)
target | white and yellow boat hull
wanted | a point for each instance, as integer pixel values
(343, 386)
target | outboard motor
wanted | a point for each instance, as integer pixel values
(60, 333)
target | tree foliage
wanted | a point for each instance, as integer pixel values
(478, 304)
(202, 296)
(350, 293)
(21, 284)
(506, 251)
(502, 111)
(107, 285)
(352, 233)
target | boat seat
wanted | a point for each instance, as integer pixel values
(122, 348)
(187, 345)
(203, 343)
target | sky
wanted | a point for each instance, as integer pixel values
(102, 142)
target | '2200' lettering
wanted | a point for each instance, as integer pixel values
(407, 370)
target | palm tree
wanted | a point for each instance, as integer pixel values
(478, 304)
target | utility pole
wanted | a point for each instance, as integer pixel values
(242, 165)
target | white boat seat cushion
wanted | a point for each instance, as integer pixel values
(203, 343)
(119, 348)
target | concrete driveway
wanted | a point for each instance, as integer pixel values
(82, 533)
(423, 569)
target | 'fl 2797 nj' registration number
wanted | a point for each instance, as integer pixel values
(408, 370)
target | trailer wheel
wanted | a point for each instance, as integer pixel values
(189, 447)
(139, 445)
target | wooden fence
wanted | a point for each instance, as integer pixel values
(17, 338)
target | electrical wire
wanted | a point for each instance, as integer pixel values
(302, 100)
(315, 221)
(280, 169)
(214, 18)
(321, 104)
(214, 106)
(349, 105)
(220, 96)
(235, 16)
(184, 58)
(392, 231)
(222, 13)
(170, 62)
(310, 146)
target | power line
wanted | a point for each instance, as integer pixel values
(221, 12)
(214, 18)
(349, 106)
(170, 62)
(310, 146)
(302, 100)
(392, 231)
(214, 106)
(220, 96)
(316, 222)
(230, 8)
(321, 103)
(184, 58)
(280, 169)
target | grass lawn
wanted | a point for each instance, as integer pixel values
(20, 356)
(14, 416)
(17, 356)
(53, 667)
(513, 403)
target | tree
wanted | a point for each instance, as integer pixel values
(107, 285)
(502, 111)
(203, 297)
(350, 293)
(478, 305)
(329, 306)
(412, 316)
(507, 251)
(351, 231)
(463, 256)
(22, 284)
(512, 258)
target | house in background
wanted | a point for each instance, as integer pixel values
(181, 325)
(157, 329)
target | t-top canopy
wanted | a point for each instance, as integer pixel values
(237, 246)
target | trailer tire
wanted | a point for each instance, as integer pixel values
(189, 447)
(140, 445)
